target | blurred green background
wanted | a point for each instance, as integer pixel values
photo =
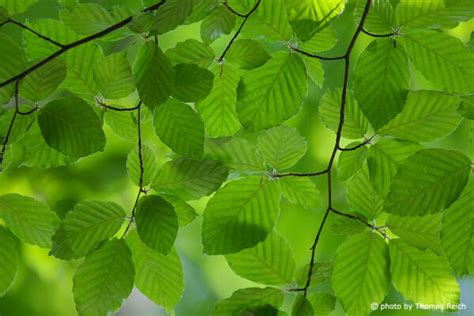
(43, 285)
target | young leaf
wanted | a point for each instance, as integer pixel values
(8, 259)
(180, 127)
(351, 161)
(381, 83)
(362, 197)
(185, 212)
(201, 9)
(273, 93)
(192, 83)
(85, 227)
(191, 51)
(457, 233)
(248, 297)
(302, 307)
(157, 223)
(314, 70)
(427, 182)
(426, 116)
(122, 124)
(150, 165)
(12, 61)
(87, 18)
(154, 75)
(320, 11)
(218, 22)
(190, 179)
(301, 191)
(321, 41)
(30, 220)
(247, 54)
(171, 15)
(361, 272)
(270, 262)
(281, 147)
(104, 279)
(381, 17)
(71, 126)
(323, 303)
(344, 226)
(422, 276)
(240, 215)
(41, 83)
(218, 109)
(158, 277)
(114, 76)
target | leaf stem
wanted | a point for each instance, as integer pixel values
(365, 142)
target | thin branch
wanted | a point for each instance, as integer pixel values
(17, 101)
(365, 142)
(380, 35)
(246, 17)
(23, 26)
(7, 136)
(226, 4)
(75, 44)
(379, 229)
(314, 55)
(295, 174)
(113, 108)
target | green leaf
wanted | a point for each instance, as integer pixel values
(351, 161)
(321, 41)
(12, 62)
(466, 108)
(185, 212)
(427, 116)
(123, 124)
(15, 7)
(273, 93)
(301, 191)
(314, 70)
(150, 165)
(87, 18)
(180, 127)
(381, 81)
(104, 279)
(157, 223)
(8, 259)
(240, 215)
(41, 83)
(321, 273)
(191, 51)
(158, 277)
(30, 220)
(154, 75)
(244, 298)
(422, 276)
(320, 11)
(71, 126)
(356, 124)
(190, 179)
(281, 147)
(270, 262)
(171, 15)
(247, 54)
(235, 152)
(218, 22)
(114, 76)
(344, 226)
(362, 197)
(323, 303)
(218, 109)
(19, 129)
(433, 13)
(457, 233)
(421, 232)
(85, 227)
(302, 307)
(427, 182)
(201, 9)
(442, 59)
(381, 17)
(361, 272)
(383, 160)
(192, 83)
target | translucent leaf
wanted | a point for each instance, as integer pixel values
(422, 276)
(344, 226)
(154, 75)
(114, 76)
(30, 220)
(190, 179)
(191, 51)
(104, 279)
(15, 7)
(302, 307)
(321, 273)
(427, 182)
(247, 54)
(71, 126)
(123, 124)
(270, 262)
(273, 93)
(87, 18)
(12, 62)
(362, 197)
(201, 9)
(150, 165)
(240, 215)
(41, 83)
(180, 127)
(381, 81)
(281, 147)
(85, 227)
(361, 272)
(192, 83)
(321, 41)
(427, 116)
(457, 234)
(248, 297)
(8, 259)
(218, 109)
(351, 161)
(218, 22)
(314, 70)
(185, 212)
(321, 11)
(171, 15)
(381, 17)
(301, 191)
(323, 303)
(356, 124)
(158, 277)
(19, 129)
(442, 59)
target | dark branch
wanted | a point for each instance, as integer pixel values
(314, 55)
(77, 43)
(17, 101)
(365, 142)
(7, 136)
(380, 35)
(113, 108)
(379, 229)
(23, 26)
(226, 4)
(295, 174)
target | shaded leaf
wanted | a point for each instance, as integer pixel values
(192, 83)
(247, 54)
(8, 259)
(150, 165)
(191, 51)
(114, 76)
(301, 191)
(244, 298)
